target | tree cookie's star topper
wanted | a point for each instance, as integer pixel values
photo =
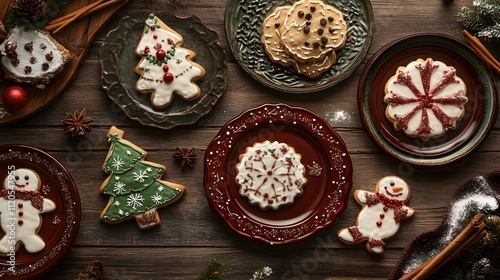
(425, 99)
(381, 214)
(134, 184)
(165, 66)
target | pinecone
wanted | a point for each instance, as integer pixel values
(29, 10)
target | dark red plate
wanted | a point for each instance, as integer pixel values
(60, 227)
(323, 198)
(472, 129)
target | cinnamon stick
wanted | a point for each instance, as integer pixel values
(468, 237)
(481, 50)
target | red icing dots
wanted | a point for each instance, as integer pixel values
(168, 77)
(170, 41)
(382, 215)
(379, 223)
(20, 222)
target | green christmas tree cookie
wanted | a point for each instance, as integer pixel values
(134, 184)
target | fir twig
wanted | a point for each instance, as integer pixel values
(262, 273)
(482, 19)
(214, 270)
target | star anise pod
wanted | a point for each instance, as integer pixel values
(186, 155)
(77, 123)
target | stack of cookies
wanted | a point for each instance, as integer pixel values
(304, 36)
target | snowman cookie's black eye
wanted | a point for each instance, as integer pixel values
(26, 177)
(17, 178)
(392, 184)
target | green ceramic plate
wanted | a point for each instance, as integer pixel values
(480, 111)
(118, 61)
(243, 24)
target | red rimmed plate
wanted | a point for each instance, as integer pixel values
(472, 129)
(324, 154)
(59, 228)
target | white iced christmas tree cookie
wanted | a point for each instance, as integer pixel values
(381, 214)
(166, 68)
(425, 99)
(270, 174)
(21, 205)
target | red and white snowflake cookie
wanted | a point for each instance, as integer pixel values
(425, 99)
(270, 174)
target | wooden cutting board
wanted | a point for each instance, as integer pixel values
(77, 38)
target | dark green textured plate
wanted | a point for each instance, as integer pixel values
(471, 131)
(118, 61)
(243, 24)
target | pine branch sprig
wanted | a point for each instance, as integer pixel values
(483, 19)
(215, 270)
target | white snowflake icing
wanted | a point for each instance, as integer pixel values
(140, 177)
(135, 200)
(120, 212)
(157, 198)
(149, 169)
(160, 188)
(117, 203)
(119, 187)
(117, 163)
(129, 152)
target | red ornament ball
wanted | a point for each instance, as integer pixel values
(168, 77)
(160, 54)
(15, 98)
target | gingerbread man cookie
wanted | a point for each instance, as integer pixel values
(21, 206)
(381, 214)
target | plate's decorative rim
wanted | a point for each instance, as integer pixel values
(300, 89)
(110, 78)
(481, 133)
(215, 183)
(462, 192)
(72, 202)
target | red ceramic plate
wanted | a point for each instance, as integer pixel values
(323, 198)
(59, 228)
(472, 129)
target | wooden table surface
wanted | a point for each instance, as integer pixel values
(191, 233)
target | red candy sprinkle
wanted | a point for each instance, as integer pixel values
(379, 223)
(146, 49)
(20, 222)
(382, 216)
(386, 208)
(170, 41)
(20, 205)
(153, 27)
(155, 36)
(165, 68)
(168, 77)
(20, 213)
(160, 54)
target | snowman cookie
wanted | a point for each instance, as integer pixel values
(21, 205)
(381, 214)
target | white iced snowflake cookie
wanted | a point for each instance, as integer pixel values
(32, 56)
(270, 175)
(165, 67)
(425, 99)
(21, 205)
(381, 214)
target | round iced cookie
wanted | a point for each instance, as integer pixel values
(270, 175)
(425, 99)
(312, 30)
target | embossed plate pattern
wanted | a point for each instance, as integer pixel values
(60, 227)
(480, 111)
(118, 61)
(324, 154)
(243, 25)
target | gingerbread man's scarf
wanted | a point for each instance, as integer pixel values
(396, 204)
(35, 197)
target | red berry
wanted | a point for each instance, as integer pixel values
(168, 77)
(165, 68)
(160, 54)
(15, 98)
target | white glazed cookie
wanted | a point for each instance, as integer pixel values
(271, 39)
(32, 56)
(381, 214)
(270, 174)
(312, 30)
(166, 68)
(21, 205)
(425, 99)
